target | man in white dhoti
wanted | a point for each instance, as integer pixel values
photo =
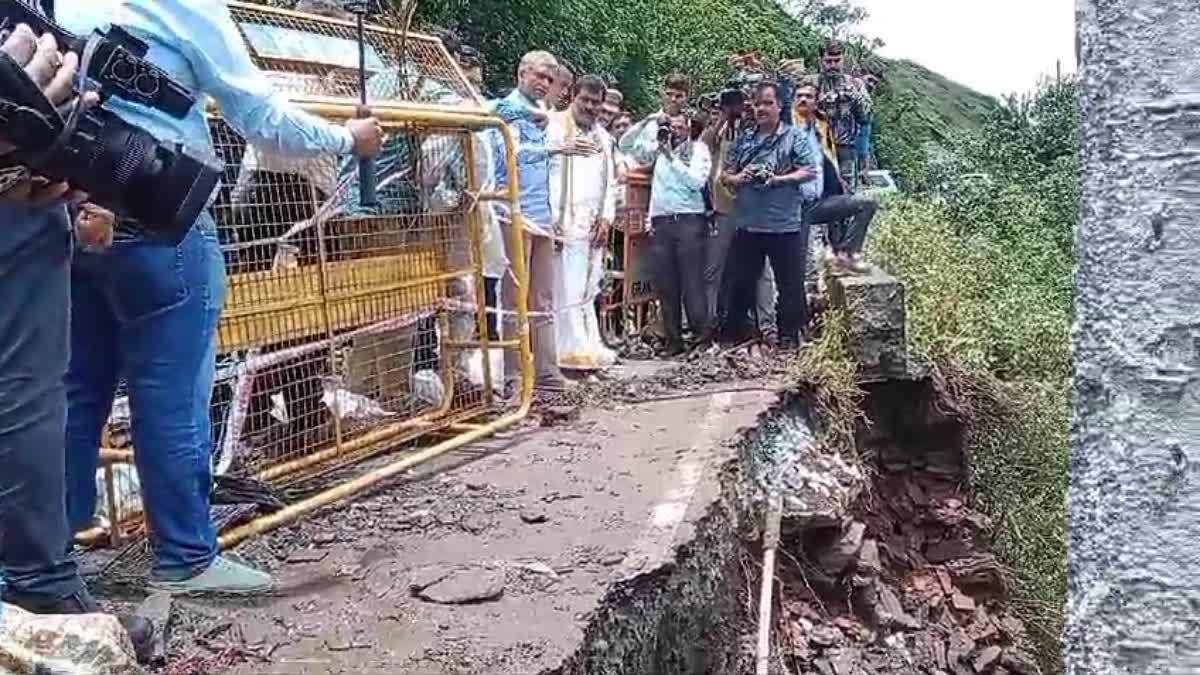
(583, 192)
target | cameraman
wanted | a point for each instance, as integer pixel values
(766, 167)
(845, 103)
(679, 230)
(39, 575)
(149, 311)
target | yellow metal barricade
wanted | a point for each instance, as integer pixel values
(350, 330)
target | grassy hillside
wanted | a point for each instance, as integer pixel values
(919, 113)
(945, 104)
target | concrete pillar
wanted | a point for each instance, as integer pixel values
(1134, 596)
(875, 315)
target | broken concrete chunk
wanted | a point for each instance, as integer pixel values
(891, 612)
(80, 644)
(157, 610)
(844, 550)
(1020, 662)
(428, 576)
(868, 558)
(961, 602)
(986, 658)
(324, 538)
(874, 306)
(944, 580)
(464, 587)
(825, 636)
(534, 516)
(959, 648)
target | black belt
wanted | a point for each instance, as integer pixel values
(675, 218)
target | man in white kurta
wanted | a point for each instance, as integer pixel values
(583, 190)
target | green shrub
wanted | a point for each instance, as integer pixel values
(988, 271)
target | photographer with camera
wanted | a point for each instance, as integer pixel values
(845, 103)
(39, 573)
(766, 168)
(719, 136)
(678, 232)
(641, 141)
(147, 310)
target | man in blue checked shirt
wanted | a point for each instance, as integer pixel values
(524, 108)
(768, 167)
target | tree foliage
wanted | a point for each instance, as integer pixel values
(636, 43)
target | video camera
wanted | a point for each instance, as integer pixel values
(121, 166)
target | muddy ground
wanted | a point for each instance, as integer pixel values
(492, 559)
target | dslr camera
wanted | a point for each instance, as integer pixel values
(122, 167)
(665, 134)
(760, 174)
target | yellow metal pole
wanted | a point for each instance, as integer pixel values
(520, 268)
(475, 220)
(363, 483)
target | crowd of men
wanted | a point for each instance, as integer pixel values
(739, 180)
(747, 184)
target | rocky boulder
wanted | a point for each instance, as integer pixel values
(81, 644)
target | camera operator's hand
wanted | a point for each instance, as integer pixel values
(52, 72)
(368, 136)
(36, 192)
(94, 226)
(55, 75)
(740, 178)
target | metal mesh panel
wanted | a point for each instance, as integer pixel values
(337, 313)
(348, 328)
(315, 56)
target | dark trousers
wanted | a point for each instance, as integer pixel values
(716, 280)
(678, 248)
(35, 276)
(847, 156)
(490, 287)
(848, 217)
(788, 253)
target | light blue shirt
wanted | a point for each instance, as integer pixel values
(811, 190)
(533, 159)
(679, 182)
(198, 44)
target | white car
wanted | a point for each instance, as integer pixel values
(879, 182)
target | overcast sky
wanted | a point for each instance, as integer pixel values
(995, 46)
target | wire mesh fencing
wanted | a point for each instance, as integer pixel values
(351, 327)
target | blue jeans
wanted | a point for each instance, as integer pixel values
(35, 251)
(149, 312)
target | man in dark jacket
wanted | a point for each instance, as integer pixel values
(845, 103)
(846, 215)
